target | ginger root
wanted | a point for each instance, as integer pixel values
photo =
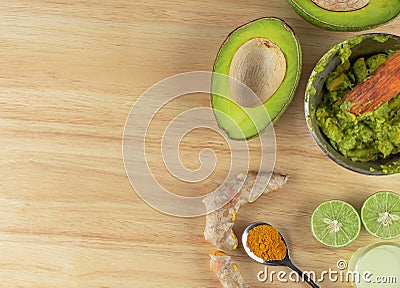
(219, 222)
(226, 271)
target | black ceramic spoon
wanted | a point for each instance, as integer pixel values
(285, 262)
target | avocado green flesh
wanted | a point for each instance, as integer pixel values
(247, 123)
(370, 136)
(374, 14)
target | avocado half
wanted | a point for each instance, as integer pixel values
(269, 47)
(372, 13)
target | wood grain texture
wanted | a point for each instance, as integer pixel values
(71, 71)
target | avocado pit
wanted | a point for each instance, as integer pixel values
(261, 66)
(341, 5)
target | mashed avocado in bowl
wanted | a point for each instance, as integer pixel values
(369, 143)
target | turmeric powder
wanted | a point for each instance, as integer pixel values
(266, 243)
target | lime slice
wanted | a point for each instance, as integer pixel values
(335, 223)
(380, 215)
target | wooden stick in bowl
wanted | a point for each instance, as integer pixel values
(379, 88)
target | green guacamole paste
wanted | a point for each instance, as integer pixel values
(370, 136)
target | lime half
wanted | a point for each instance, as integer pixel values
(380, 215)
(335, 223)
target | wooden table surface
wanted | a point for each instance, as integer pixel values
(71, 72)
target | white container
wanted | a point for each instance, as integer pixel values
(376, 266)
